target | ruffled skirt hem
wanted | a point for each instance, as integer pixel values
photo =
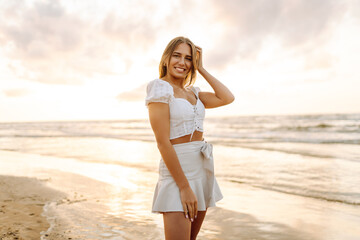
(204, 185)
(167, 196)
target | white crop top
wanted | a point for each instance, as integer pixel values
(185, 118)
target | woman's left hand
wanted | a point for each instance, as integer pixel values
(199, 64)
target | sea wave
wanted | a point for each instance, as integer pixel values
(345, 198)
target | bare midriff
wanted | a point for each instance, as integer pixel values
(197, 136)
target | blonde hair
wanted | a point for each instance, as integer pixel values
(165, 59)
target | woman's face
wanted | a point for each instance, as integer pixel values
(180, 61)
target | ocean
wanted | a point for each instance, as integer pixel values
(314, 157)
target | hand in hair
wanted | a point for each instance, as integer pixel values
(199, 64)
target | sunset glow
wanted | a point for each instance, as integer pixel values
(66, 60)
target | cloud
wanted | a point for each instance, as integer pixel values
(137, 94)
(47, 42)
(354, 9)
(136, 33)
(302, 25)
(59, 42)
(44, 39)
(42, 30)
(53, 43)
(16, 92)
(319, 59)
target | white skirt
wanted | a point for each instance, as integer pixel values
(197, 163)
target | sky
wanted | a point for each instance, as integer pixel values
(91, 60)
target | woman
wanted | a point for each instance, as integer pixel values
(187, 185)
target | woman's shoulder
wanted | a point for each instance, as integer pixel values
(158, 91)
(195, 89)
(159, 81)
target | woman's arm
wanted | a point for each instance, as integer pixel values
(159, 116)
(222, 95)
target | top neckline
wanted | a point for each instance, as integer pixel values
(197, 98)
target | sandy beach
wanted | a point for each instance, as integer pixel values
(21, 206)
(22, 213)
(70, 198)
(77, 200)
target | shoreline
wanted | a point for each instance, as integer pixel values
(94, 200)
(22, 202)
(90, 200)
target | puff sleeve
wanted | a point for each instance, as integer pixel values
(158, 91)
(197, 90)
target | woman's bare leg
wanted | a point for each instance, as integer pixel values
(176, 226)
(196, 225)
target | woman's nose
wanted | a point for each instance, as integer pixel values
(182, 61)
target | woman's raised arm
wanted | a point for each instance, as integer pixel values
(222, 95)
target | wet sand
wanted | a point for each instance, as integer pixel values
(62, 198)
(23, 199)
(21, 206)
(79, 200)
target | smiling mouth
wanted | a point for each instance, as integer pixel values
(181, 70)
